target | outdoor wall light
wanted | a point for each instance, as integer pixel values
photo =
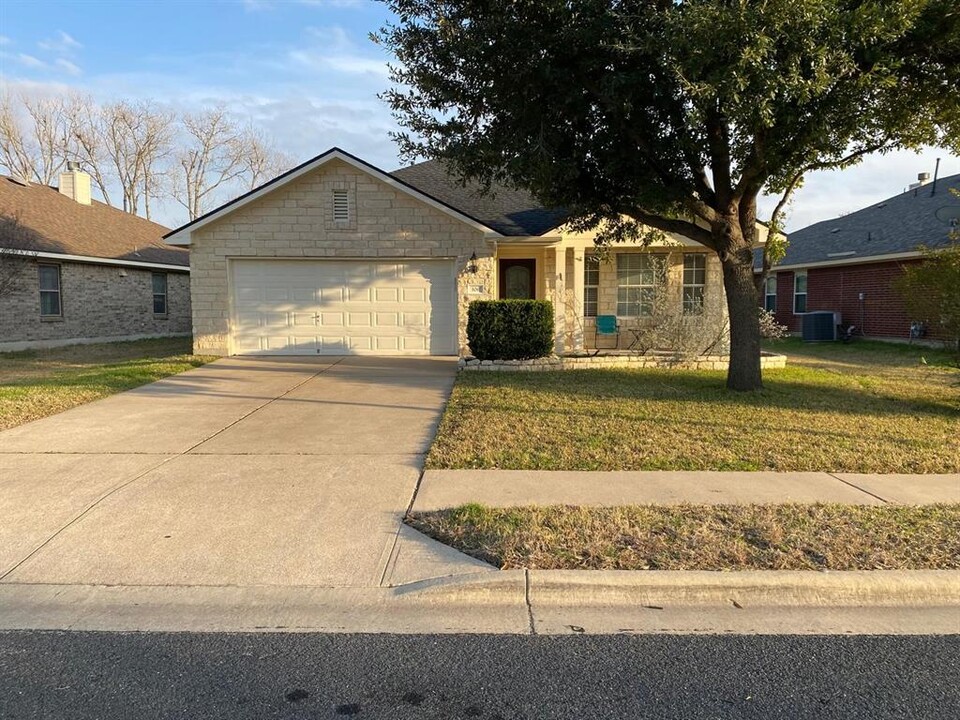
(472, 265)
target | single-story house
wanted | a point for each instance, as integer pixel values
(74, 270)
(849, 265)
(337, 256)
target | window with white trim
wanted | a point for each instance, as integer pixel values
(800, 292)
(50, 301)
(591, 285)
(694, 283)
(341, 206)
(159, 281)
(636, 284)
(770, 293)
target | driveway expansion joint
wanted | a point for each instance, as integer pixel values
(263, 405)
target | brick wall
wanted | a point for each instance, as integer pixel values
(97, 303)
(296, 221)
(882, 313)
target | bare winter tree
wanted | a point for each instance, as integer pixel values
(18, 245)
(262, 160)
(136, 138)
(34, 136)
(87, 143)
(213, 155)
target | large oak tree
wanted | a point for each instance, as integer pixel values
(676, 113)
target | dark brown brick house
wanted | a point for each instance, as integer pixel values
(76, 270)
(849, 265)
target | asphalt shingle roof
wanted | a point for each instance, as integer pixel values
(62, 225)
(508, 211)
(898, 224)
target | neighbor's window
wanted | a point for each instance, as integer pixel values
(800, 292)
(341, 206)
(159, 293)
(591, 284)
(694, 282)
(636, 284)
(770, 294)
(50, 305)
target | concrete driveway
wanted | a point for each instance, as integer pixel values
(245, 472)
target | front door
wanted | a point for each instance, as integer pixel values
(518, 279)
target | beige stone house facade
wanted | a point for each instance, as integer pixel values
(339, 257)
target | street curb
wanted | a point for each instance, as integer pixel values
(690, 588)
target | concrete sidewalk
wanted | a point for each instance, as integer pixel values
(502, 488)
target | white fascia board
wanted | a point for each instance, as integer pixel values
(90, 259)
(847, 260)
(182, 235)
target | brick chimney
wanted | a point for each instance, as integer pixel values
(75, 183)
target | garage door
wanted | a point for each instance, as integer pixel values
(343, 307)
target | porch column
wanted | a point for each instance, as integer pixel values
(559, 306)
(577, 280)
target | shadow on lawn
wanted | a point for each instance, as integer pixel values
(701, 387)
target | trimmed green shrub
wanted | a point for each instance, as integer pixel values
(510, 329)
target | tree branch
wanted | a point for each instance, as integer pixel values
(675, 225)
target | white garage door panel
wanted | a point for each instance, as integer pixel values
(322, 307)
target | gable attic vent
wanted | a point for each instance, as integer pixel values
(341, 206)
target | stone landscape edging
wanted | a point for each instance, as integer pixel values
(580, 362)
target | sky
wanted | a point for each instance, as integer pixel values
(303, 70)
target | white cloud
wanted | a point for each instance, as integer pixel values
(332, 3)
(830, 194)
(30, 61)
(343, 63)
(68, 67)
(4, 40)
(257, 5)
(63, 44)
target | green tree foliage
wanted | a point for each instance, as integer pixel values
(677, 114)
(931, 289)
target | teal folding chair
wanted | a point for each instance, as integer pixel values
(606, 326)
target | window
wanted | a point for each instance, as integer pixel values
(636, 283)
(800, 292)
(694, 282)
(341, 206)
(159, 293)
(591, 284)
(50, 304)
(770, 294)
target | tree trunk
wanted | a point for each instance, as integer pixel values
(738, 282)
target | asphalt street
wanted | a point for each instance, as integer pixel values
(179, 675)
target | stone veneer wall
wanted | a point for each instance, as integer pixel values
(97, 302)
(715, 300)
(296, 221)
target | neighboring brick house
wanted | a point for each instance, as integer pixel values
(337, 256)
(74, 270)
(850, 264)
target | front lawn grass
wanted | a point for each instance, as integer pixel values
(38, 383)
(864, 407)
(703, 537)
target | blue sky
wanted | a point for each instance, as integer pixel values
(303, 70)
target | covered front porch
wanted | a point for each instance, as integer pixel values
(628, 287)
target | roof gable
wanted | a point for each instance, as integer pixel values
(181, 236)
